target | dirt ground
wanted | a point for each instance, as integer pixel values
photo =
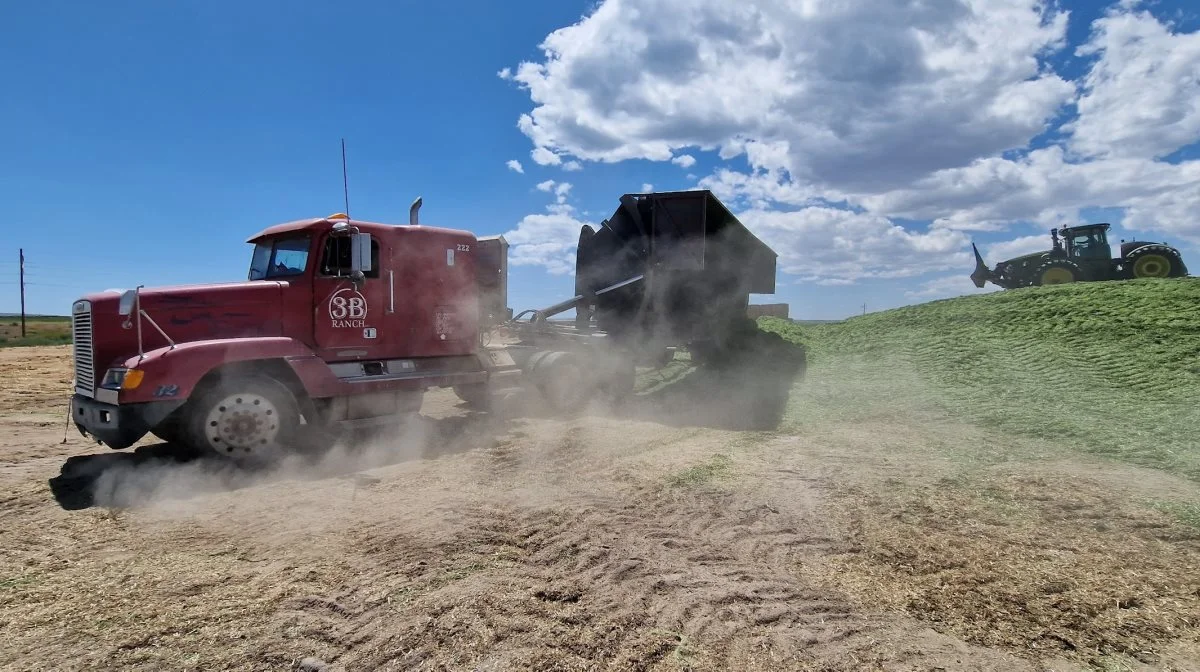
(664, 536)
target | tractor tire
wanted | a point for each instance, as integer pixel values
(248, 419)
(1154, 261)
(1056, 272)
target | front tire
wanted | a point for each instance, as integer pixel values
(1154, 261)
(248, 419)
(173, 429)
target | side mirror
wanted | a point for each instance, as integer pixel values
(358, 278)
(360, 253)
(128, 303)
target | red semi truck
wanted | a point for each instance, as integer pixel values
(344, 323)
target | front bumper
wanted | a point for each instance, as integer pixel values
(118, 426)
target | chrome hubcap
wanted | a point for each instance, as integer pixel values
(242, 424)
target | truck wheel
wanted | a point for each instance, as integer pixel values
(476, 395)
(620, 380)
(563, 382)
(249, 419)
(1154, 261)
(1057, 272)
(173, 429)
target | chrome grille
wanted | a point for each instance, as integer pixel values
(81, 336)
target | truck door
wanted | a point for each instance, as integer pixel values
(345, 323)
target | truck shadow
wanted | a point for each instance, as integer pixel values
(163, 471)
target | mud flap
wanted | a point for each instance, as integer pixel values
(982, 273)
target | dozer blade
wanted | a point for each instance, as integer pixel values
(982, 273)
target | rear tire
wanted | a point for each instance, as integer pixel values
(563, 382)
(622, 380)
(249, 419)
(1056, 272)
(476, 395)
(1154, 261)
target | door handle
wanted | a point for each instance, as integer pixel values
(391, 292)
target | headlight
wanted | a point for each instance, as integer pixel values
(122, 379)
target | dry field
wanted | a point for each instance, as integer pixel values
(39, 330)
(664, 537)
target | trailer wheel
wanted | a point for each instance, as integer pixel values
(563, 382)
(249, 419)
(621, 381)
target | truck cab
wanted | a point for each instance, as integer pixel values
(338, 321)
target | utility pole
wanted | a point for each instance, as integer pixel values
(864, 309)
(22, 272)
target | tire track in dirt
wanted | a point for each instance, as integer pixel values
(649, 578)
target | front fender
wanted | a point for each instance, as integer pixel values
(172, 373)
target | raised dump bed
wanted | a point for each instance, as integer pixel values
(670, 268)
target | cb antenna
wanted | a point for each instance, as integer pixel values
(345, 181)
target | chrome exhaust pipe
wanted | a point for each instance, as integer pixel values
(412, 212)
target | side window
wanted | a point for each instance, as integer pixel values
(335, 259)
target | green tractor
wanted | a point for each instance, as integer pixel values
(1086, 257)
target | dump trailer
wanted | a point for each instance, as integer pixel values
(344, 323)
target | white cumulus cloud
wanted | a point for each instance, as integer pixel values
(822, 243)
(948, 286)
(1017, 247)
(547, 239)
(515, 165)
(866, 139)
(1142, 96)
(684, 160)
(853, 95)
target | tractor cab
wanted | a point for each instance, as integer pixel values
(1086, 242)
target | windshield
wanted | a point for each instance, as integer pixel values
(279, 258)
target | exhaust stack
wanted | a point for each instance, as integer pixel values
(412, 212)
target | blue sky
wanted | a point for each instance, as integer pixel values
(146, 141)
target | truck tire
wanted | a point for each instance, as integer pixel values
(476, 395)
(173, 429)
(250, 419)
(563, 382)
(620, 380)
(1154, 261)
(1056, 272)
